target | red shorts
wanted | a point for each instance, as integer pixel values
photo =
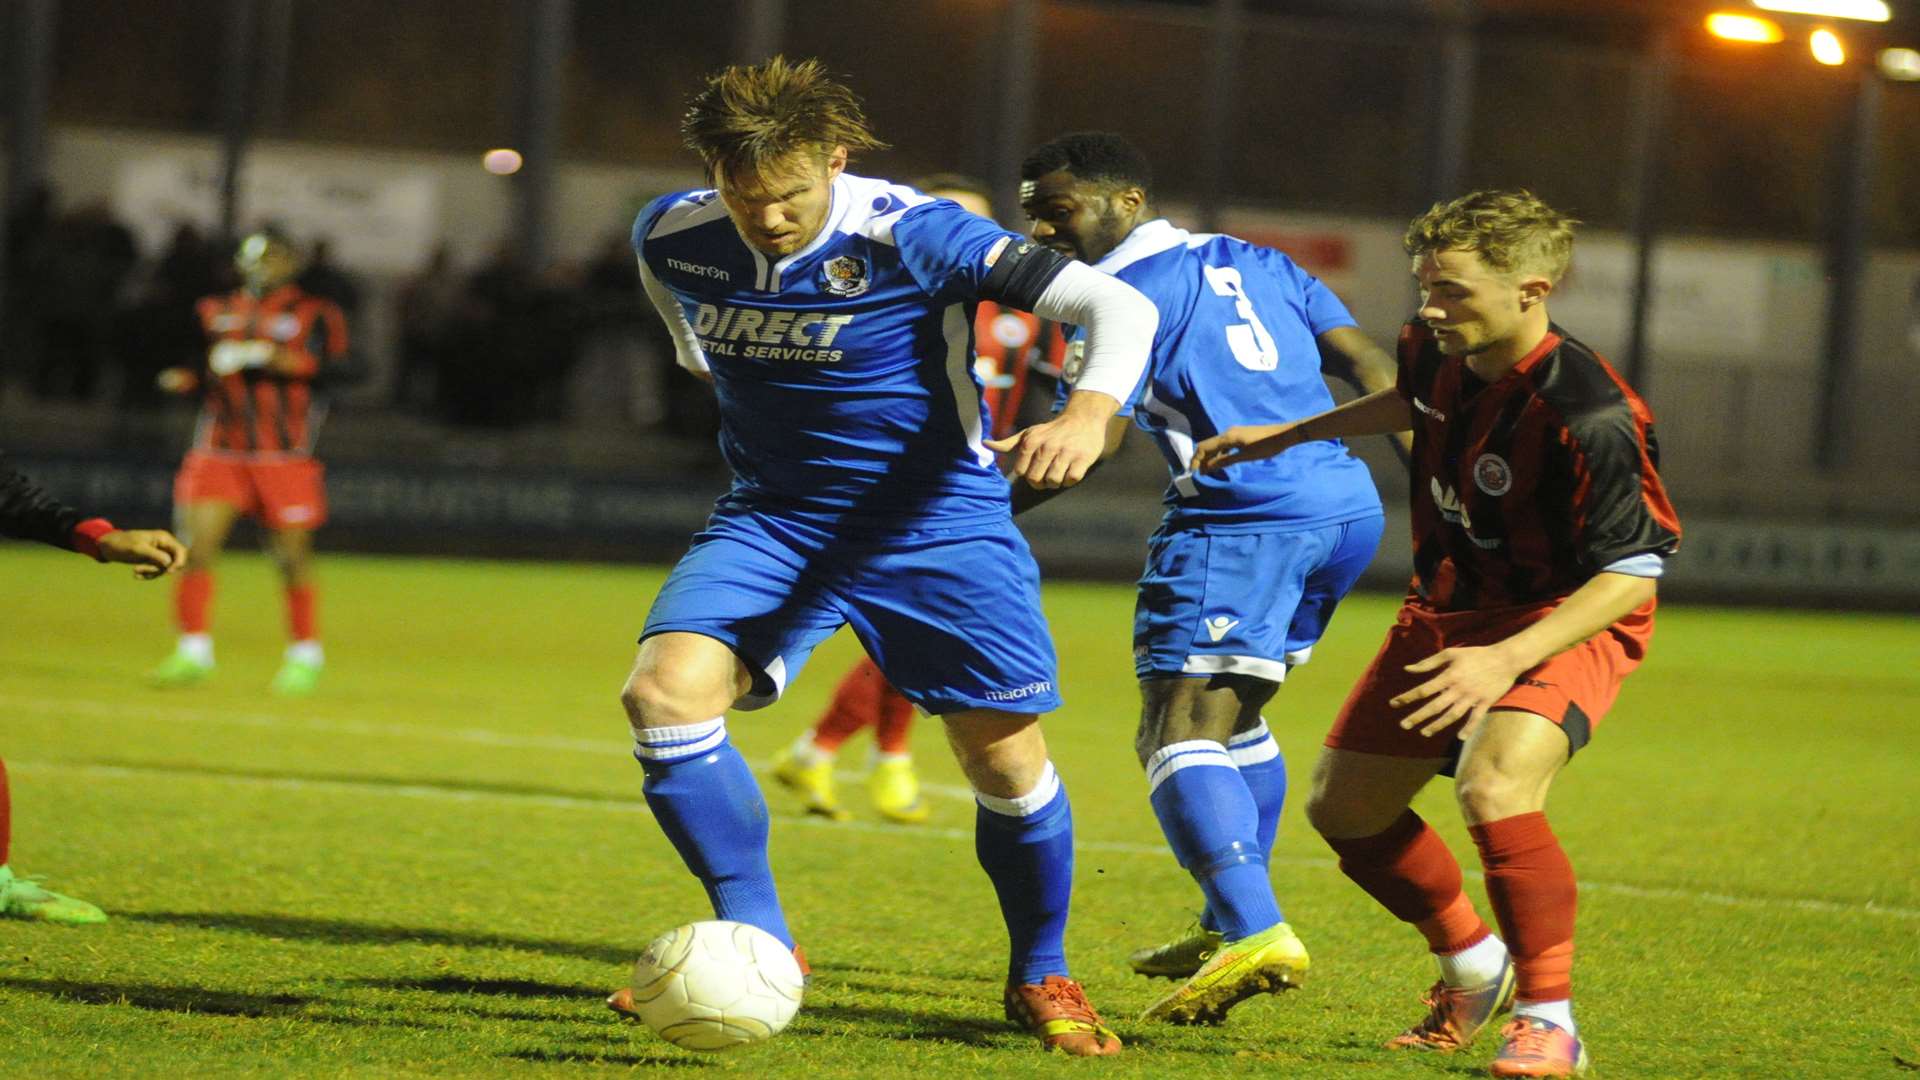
(1573, 689)
(284, 493)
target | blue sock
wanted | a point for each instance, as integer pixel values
(1265, 772)
(1211, 822)
(708, 804)
(1026, 847)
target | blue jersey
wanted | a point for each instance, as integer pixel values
(845, 370)
(1237, 345)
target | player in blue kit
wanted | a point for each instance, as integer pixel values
(833, 315)
(1245, 570)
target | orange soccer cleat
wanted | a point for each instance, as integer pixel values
(1057, 1010)
(1537, 1047)
(1456, 1015)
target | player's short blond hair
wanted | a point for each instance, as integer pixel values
(750, 118)
(1512, 231)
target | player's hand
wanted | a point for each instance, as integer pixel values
(152, 552)
(1467, 683)
(1242, 442)
(285, 364)
(176, 380)
(1058, 453)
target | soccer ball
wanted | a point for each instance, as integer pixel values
(716, 984)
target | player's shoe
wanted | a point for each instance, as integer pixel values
(1179, 958)
(179, 669)
(1268, 962)
(896, 791)
(296, 678)
(1456, 1015)
(813, 783)
(621, 1000)
(1536, 1047)
(1057, 1010)
(24, 898)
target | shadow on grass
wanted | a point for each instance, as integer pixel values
(562, 1057)
(350, 932)
(892, 1023)
(455, 984)
(450, 785)
(160, 998)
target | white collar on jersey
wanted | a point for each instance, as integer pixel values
(1145, 240)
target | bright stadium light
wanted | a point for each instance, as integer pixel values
(1827, 48)
(501, 162)
(1900, 65)
(1752, 28)
(1864, 10)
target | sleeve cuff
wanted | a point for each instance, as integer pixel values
(87, 534)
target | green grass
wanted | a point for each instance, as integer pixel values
(441, 863)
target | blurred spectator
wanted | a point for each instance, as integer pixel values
(621, 373)
(429, 303)
(160, 329)
(27, 226)
(324, 277)
(74, 284)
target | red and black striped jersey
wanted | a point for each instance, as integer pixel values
(1006, 342)
(249, 409)
(1526, 487)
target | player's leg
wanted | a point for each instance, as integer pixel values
(1505, 771)
(893, 786)
(806, 767)
(1023, 837)
(1211, 822)
(292, 552)
(21, 898)
(205, 524)
(699, 787)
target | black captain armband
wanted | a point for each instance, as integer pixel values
(1021, 273)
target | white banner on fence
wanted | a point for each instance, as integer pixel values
(1706, 303)
(379, 218)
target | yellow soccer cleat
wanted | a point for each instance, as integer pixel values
(25, 898)
(1179, 958)
(1264, 963)
(812, 782)
(895, 790)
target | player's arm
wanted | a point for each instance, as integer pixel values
(1119, 324)
(1468, 680)
(1026, 496)
(29, 513)
(326, 360)
(1382, 412)
(1352, 357)
(686, 344)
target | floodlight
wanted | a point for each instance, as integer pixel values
(1751, 28)
(1827, 48)
(1865, 10)
(1901, 65)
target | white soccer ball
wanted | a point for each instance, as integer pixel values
(716, 984)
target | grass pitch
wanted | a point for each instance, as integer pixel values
(440, 864)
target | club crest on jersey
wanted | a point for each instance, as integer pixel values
(1492, 474)
(845, 275)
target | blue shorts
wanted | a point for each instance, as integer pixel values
(951, 616)
(1244, 603)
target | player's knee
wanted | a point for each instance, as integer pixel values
(1488, 794)
(657, 699)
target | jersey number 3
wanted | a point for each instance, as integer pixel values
(1251, 344)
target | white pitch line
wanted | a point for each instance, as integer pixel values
(920, 832)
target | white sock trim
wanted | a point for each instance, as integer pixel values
(1559, 1013)
(1173, 757)
(1254, 746)
(307, 652)
(1026, 805)
(1475, 965)
(684, 741)
(807, 752)
(198, 646)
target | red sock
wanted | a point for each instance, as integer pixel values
(1531, 886)
(6, 816)
(193, 600)
(300, 614)
(856, 704)
(1409, 870)
(896, 720)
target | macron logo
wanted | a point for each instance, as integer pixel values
(699, 270)
(1218, 626)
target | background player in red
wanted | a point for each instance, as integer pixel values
(1540, 528)
(271, 346)
(1006, 343)
(29, 513)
